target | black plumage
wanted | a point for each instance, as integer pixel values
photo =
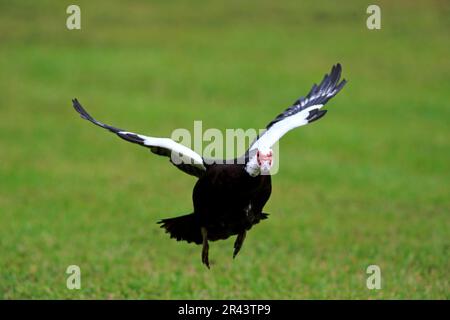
(228, 198)
(227, 201)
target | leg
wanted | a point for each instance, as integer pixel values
(238, 243)
(205, 249)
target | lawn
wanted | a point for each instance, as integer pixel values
(368, 184)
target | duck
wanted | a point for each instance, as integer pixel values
(229, 196)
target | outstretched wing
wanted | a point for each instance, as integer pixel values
(182, 157)
(305, 110)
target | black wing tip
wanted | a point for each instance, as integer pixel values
(79, 108)
(330, 85)
(77, 105)
(338, 72)
(341, 85)
(327, 88)
(315, 115)
(319, 94)
(336, 69)
(85, 115)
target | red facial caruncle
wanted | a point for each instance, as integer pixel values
(263, 157)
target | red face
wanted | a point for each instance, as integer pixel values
(264, 160)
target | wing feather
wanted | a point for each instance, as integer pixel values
(304, 110)
(181, 156)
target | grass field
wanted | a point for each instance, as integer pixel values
(368, 184)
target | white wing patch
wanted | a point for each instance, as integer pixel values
(279, 129)
(180, 153)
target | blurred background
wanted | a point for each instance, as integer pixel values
(368, 184)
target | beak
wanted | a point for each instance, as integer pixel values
(265, 167)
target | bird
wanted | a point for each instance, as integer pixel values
(229, 197)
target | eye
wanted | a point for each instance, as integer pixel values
(258, 158)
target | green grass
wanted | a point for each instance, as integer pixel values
(368, 184)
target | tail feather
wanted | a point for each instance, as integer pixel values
(259, 217)
(182, 228)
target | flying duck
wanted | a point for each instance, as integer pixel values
(229, 197)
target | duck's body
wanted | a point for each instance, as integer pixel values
(228, 201)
